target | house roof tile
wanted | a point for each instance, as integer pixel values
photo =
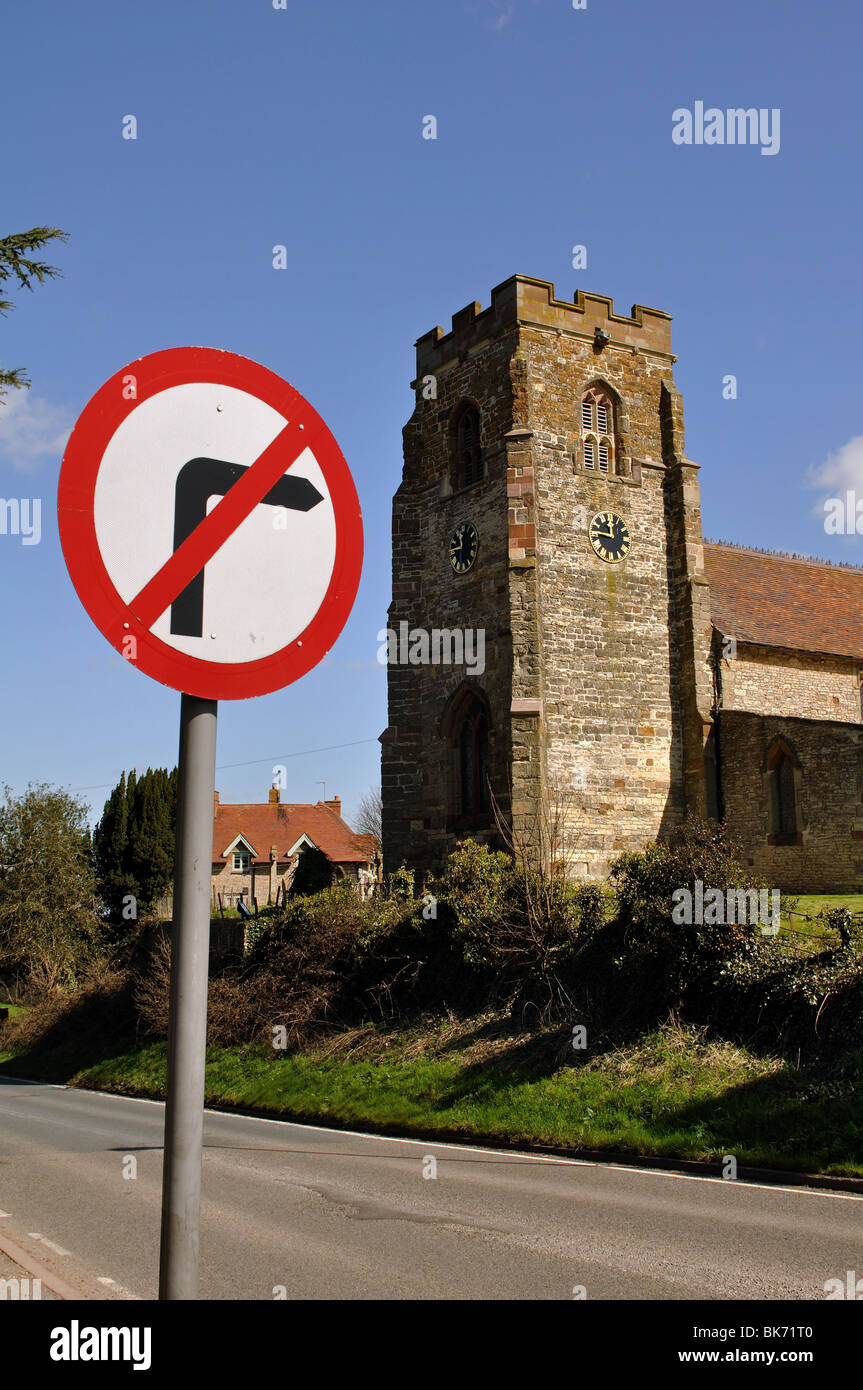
(777, 601)
(265, 825)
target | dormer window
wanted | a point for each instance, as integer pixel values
(597, 431)
(241, 861)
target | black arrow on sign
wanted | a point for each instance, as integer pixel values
(198, 481)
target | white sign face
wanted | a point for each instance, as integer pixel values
(267, 581)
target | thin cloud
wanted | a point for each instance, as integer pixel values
(494, 14)
(31, 430)
(841, 470)
(839, 475)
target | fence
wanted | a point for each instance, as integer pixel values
(828, 940)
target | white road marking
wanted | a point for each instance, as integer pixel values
(489, 1153)
(58, 1249)
(120, 1288)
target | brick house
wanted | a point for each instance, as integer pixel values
(258, 849)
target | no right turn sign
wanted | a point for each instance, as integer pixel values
(209, 523)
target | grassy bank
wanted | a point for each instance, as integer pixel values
(675, 1093)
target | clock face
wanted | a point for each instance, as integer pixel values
(464, 543)
(609, 536)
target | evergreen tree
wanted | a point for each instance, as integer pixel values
(134, 841)
(152, 836)
(109, 851)
(14, 261)
(126, 863)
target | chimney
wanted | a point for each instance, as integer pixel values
(274, 796)
(215, 801)
(336, 804)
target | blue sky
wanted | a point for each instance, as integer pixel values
(303, 127)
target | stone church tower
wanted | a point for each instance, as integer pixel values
(549, 633)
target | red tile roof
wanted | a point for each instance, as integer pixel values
(263, 825)
(776, 601)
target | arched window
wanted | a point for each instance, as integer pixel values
(597, 430)
(473, 760)
(781, 765)
(466, 448)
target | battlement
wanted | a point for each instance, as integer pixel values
(523, 300)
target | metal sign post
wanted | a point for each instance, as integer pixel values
(187, 1022)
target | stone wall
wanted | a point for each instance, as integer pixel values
(611, 634)
(418, 757)
(768, 680)
(828, 857)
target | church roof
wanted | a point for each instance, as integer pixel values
(261, 826)
(780, 601)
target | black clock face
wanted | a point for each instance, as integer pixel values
(609, 536)
(464, 543)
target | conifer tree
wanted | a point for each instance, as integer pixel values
(109, 850)
(14, 261)
(134, 841)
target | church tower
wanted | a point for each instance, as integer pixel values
(549, 632)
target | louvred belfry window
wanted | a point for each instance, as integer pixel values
(597, 431)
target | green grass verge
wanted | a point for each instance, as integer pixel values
(810, 904)
(673, 1094)
(14, 1010)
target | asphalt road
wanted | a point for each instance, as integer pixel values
(309, 1213)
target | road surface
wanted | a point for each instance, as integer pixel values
(301, 1212)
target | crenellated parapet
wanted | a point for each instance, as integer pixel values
(524, 300)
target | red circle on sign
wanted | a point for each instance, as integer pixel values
(118, 620)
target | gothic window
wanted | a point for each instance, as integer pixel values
(783, 794)
(473, 760)
(597, 430)
(466, 449)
